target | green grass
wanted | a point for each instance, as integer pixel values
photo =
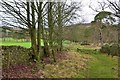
(11, 41)
(101, 67)
(23, 44)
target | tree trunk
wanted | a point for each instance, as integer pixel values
(39, 29)
(119, 32)
(50, 24)
(59, 27)
(101, 38)
(33, 31)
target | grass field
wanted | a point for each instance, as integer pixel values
(101, 65)
(10, 41)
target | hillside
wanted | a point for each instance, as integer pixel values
(91, 33)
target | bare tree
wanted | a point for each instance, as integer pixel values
(35, 16)
(115, 7)
(65, 14)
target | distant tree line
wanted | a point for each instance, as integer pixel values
(14, 33)
(91, 33)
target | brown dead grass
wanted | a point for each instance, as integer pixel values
(67, 68)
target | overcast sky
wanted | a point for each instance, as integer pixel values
(87, 13)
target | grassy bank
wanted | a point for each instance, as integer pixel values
(102, 66)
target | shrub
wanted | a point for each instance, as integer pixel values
(14, 55)
(85, 43)
(87, 51)
(114, 49)
(105, 49)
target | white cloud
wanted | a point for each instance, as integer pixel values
(87, 13)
